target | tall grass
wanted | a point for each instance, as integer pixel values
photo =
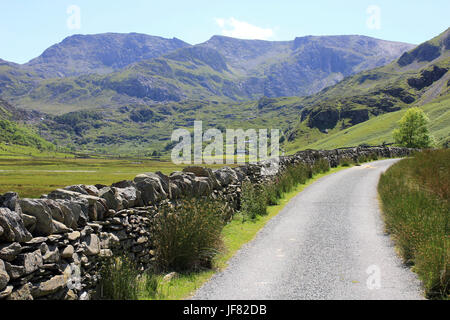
(255, 199)
(188, 236)
(122, 280)
(415, 196)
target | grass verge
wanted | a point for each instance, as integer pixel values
(415, 197)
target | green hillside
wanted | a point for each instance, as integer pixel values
(364, 108)
(379, 129)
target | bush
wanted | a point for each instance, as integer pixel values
(346, 162)
(321, 166)
(254, 200)
(415, 194)
(122, 280)
(188, 236)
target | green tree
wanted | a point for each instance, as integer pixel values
(413, 130)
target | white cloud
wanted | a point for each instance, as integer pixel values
(243, 30)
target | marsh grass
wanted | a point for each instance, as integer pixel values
(121, 279)
(415, 197)
(188, 236)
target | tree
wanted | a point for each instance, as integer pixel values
(413, 131)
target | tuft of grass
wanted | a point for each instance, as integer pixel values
(253, 200)
(187, 236)
(121, 279)
(415, 197)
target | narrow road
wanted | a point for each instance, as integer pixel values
(327, 243)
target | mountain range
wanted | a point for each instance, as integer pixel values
(110, 69)
(126, 92)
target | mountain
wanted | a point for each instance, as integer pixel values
(419, 77)
(305, 65)
(222, 68)
(100, 53)
(134, 110)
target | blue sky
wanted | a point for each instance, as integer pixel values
(28, 27)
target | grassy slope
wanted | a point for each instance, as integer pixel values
(382, 92)
(379, 129)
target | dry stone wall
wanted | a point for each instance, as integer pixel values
(52, 247)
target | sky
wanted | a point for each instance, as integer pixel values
(28, 27)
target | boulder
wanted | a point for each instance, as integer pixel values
(10, 200)
(91, 244)
(22, 293)
(150, 186)
(91, 206)
(12, 227)
(4, 276)
(45, 288)
(74, 236)
(31, 261)
(51, 255)
(123, 184)
(29, 222)
(6, 292)
(131, 197)
(9, 251)
(164, 181)
(204, 173)
(112, 198)
(202, 186)
(67, 252)
(14, 271)
(39, 209)
(83, 189)
(226, 176)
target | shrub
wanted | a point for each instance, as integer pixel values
(187, 236)
(346, 162)
(253, 200)
(415, 194)
(273, 194)
(321, 166)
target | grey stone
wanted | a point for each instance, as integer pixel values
(150, 186)
(4, 276)
(10, 200)
(22, 293)
(74, 235)
(52, 255)
(92, 245)
(113, 199)
(48, 287)
(29, 222)
(14, 271)
(68, 252)
(40, 210)
(6, 292)
(31, 261)
(60, 228)
(13, 227)
(9, 251)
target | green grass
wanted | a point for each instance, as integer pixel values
(379, 129)
(34, 177)
(415, 196)
(235, 234)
